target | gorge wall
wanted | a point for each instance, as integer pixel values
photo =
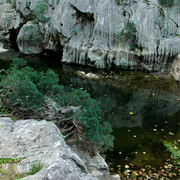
(129, 34)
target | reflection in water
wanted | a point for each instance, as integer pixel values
(142, 110)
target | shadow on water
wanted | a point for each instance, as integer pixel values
(142, 109)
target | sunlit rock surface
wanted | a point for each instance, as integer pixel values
(40, 141)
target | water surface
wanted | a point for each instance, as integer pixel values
(142, 109)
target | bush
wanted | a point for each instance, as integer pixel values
(119, 2)
(127, 32)
(35, 167)
(166, 3)
(173, 149)
(95, 130)
(23, 87)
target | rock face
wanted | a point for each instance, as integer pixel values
(175, 69)
(94, 162)
(40, 141)
(7, 20)
(130, 34)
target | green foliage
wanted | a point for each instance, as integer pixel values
(10, 160)
(63, 136)
(95, 130)
(173, 149)
(23, 87)
(166, 3)
(75, 31)
(19, 89)
(136, 47)
(119, 2)
(127, 32)
(40, 10)
(35, 167)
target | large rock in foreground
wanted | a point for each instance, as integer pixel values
(40, 141)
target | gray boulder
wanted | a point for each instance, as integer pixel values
(175, 68)
(31, 39)
(40, 141)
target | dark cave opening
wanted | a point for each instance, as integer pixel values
(13, 36)
(52, 57)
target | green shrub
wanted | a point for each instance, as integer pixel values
(127, 32)
(95, 130)
(173, 149)
(23, 87)
(35, 167)
(166, 3)
(119, 2)
(21, 91)
(40, 10)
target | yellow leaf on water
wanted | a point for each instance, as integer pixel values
(171, 133)
(131, 113)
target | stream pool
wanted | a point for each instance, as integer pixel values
(142, 109)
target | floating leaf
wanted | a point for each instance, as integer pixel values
(131, 113)
(171, 133)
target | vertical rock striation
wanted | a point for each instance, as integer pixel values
(99, 33)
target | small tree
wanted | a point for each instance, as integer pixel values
(166, 3)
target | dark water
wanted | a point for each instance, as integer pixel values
(142, 109)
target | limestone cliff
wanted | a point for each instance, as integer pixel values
(100, 32)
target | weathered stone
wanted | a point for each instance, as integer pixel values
(92, 28)
(89, 32)
(7, 14)
(40, 141)
(175, 69)
(95, 163)
(31, 39)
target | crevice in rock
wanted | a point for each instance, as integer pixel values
(82, 16)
